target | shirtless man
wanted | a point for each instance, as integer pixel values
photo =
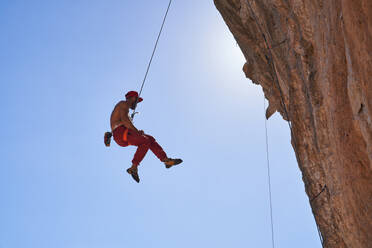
(125, 134)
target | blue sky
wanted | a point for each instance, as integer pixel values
(63, 67)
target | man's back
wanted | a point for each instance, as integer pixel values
(116, 116)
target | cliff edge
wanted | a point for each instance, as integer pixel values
(313, 60)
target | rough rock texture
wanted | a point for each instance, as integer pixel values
(314, 62)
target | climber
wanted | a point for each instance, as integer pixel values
(125, 134)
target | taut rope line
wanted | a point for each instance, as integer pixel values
(269, 178)
(152, 57)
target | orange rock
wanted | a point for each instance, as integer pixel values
(316, 58)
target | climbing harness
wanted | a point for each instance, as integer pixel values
(276, 80)
(152, 56)
(125, 135)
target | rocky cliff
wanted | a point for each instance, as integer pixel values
(313, 60)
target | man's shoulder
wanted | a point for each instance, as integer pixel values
(122, 104)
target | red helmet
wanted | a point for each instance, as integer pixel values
(135, 94)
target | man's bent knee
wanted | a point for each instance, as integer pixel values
(150, 138)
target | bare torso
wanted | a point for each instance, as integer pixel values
(116, 116)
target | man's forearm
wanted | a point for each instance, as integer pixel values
(129, 124)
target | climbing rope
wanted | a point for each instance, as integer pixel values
(269, 178)
(276, 80)
(152, 56)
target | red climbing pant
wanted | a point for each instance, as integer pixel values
(126, 137)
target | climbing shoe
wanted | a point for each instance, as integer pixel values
(134, 173)
(172, 162)
(107, 139)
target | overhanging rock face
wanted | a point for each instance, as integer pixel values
(313, 60)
